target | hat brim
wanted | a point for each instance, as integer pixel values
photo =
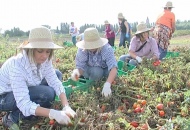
(120, 17)
(92, 45)
(47, 45)
(168, 7)
(145, 30)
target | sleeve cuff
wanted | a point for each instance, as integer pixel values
(33, 109)
(113, 66)
(61, 90)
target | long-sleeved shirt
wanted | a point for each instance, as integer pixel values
(104, 58)
(108, 29)
(149, 50)
(17, 74)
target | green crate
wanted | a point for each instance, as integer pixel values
(175, 54)
(121, 73)
(168, 55)
(172, 54)
(73, 86)
(125, 66)
(66, 43)
(120, 65)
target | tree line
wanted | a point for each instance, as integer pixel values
(64, 28)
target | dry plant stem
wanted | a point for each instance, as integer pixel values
(122, 96)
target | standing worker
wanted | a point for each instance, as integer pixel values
(109, 33)
(73, 32)
(124, 29)
(165, 27)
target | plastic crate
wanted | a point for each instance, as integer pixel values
(121, 73)
(72, 86)
(175, 54)
(66, 43)
(172, 54)
(125, 66)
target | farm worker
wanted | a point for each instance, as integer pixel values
(109, 33)
(29, 83)
(73, 32)
(95, 59)
(142, 45)
(124, 29)
(165, 27)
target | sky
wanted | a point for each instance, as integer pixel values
(27, 14)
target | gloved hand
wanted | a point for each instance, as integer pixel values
(127, 35)
(67, 109)
(60, 116)
(106, 89)
(138, 59)
(75, 75)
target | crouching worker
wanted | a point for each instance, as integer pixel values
(95, 59)
(29, 83)
(141, 46)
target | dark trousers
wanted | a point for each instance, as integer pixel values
(111, 41)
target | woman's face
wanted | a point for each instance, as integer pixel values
(41, 55)
(119, 20)
(145, 35)
(106, 25)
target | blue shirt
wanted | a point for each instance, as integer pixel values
(104, 58)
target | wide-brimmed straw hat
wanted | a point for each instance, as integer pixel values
(92, 40)
(169, 5)
(41, 38)
(120, 16)
(106, 22)
(142, 28)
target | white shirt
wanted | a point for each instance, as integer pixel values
(72, 31)
(17, 74)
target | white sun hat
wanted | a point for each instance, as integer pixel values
(92, 40)
(142, 28)
(169, 5)
(41, 38)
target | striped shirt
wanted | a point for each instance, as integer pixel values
(17, 74)
(104, 59)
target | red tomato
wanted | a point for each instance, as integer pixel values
(103, 108)
(134, 105)
(138, 96)
(161, 113)
(137, 110)
(160, 106)
(144, 127)
(156, 63)
(134, 124)
(51, 122)
(143, 102)
(57, 61)
(142, 109)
